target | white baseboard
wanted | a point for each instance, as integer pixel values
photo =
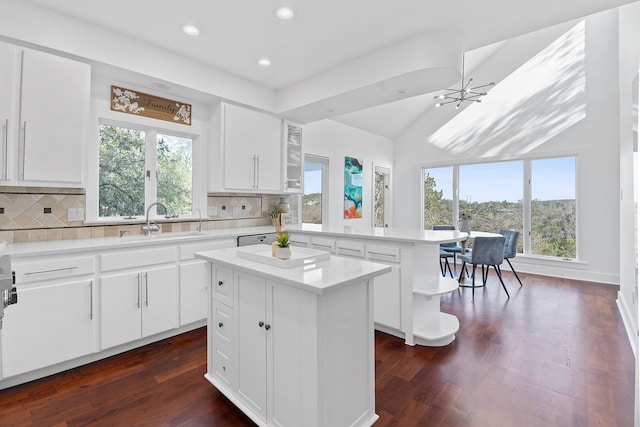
(629, 323)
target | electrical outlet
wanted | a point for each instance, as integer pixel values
(75, 214)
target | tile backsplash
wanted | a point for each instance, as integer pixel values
(30, 214)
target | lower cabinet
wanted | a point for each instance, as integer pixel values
(52, 323)
(193, 291)
(138, 304)
(275, 352)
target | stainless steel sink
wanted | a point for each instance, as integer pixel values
(162, 236)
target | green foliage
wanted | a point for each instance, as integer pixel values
(312, 208)
(552, 221)
(282, 239)
(121, 178)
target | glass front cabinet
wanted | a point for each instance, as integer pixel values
(292, 165)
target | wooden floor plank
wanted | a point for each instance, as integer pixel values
(554, 354)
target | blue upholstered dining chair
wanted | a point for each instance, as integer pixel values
(444, 263)
(452, 247)
(511, 247)
(487, 252)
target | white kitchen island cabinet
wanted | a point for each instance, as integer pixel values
(294, 346)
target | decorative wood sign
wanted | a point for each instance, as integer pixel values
(143, 104)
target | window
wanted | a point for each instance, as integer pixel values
(491, 193)
(314, 205)
(381, 197)
(496, 197)
(438, 196)
(141, 166)
(553, 207)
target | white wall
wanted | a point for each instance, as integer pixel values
(593, 139)
(334, 140)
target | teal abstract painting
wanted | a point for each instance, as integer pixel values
(352, 188)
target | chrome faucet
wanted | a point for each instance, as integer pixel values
(199, 219)
(151, 225)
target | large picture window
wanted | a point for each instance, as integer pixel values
(535, 197)
(142, 166)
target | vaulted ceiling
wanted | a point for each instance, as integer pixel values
(335, 58)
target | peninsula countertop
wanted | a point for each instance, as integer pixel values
(406, 235)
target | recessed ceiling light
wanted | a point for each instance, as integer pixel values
(190, 30)
(285, 12)
(264, 62)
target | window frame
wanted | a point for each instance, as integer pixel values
(324, 186)
(151, 129)
(527, 197)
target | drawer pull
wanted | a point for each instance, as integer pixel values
(54, 270)
(267, 326)
(220, 283)
(381, 254)
(260, 324)
(220, 325)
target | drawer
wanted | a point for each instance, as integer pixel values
(222, 365)
(188, 251)
(383, 253)
(350, 248)
(323, 244)
(298, 240)
(52, 268)
(138, 258)
(223, 325)
(222, 286)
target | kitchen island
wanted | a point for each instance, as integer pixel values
(407, 299)
(293, 345)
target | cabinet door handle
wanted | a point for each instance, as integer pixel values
(53, 270)
(91, 300)
(5, 145)
(24, 147)
(267, 326)
(220, 325)
(220, 283)
(138, 303)
(260, 324)
(257, 173)
(146, 289)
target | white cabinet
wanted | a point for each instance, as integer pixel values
(141, 301)
(9, 95)
(45, 131)
(386, 288)
(290, 357)
(194, 280)
(292, 157)
(52, 322)
(245, 151)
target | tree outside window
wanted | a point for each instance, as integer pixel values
(126, 173)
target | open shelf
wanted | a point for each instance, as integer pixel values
(440, 328)
(439, 286)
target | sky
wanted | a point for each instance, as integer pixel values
(552, 179)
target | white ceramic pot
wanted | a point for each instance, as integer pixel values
(283, 253)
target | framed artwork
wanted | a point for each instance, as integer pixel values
(352, 188)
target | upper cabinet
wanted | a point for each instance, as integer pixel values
(292, 161)
(44, 114)
(245, 153)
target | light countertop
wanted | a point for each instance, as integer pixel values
(318, 277)
(53, 247)
(406, 235)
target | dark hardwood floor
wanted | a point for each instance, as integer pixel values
(554, 354)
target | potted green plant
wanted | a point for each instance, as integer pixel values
(276, 220)
(283, 249)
